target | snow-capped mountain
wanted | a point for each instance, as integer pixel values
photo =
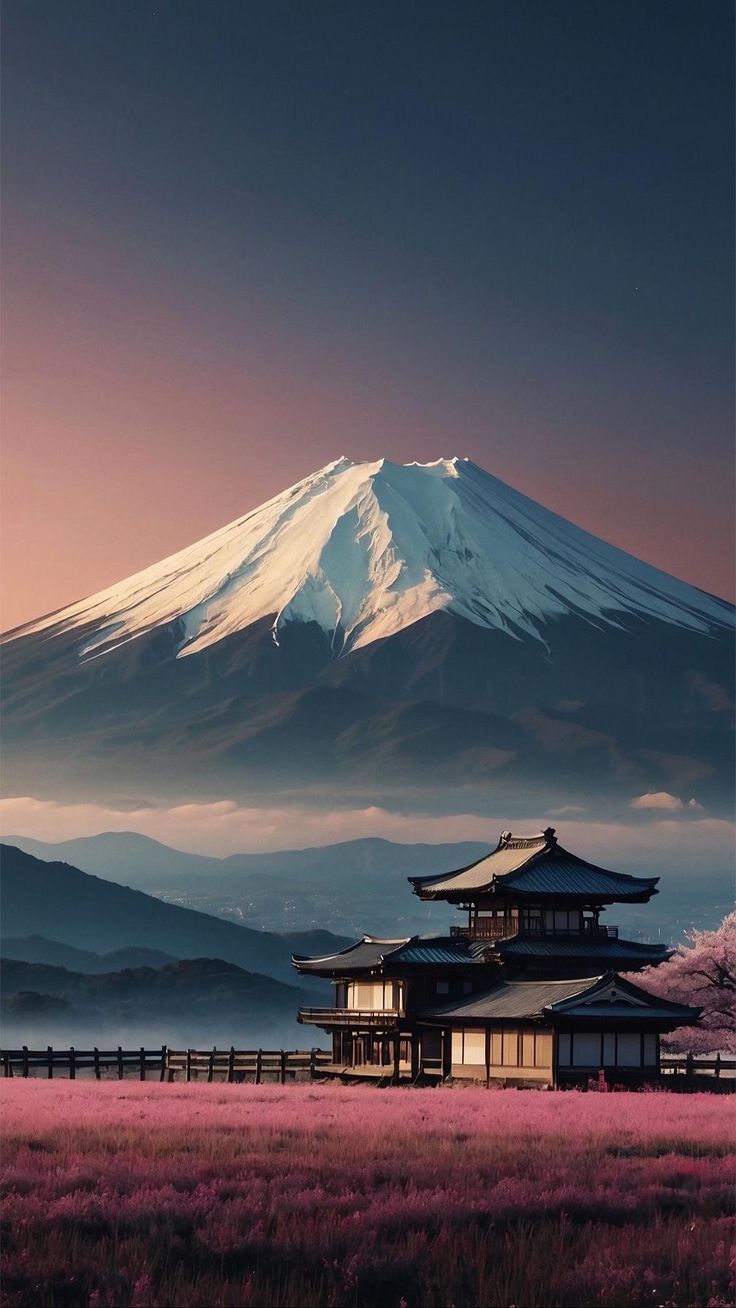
(382, 630)
(367, 549)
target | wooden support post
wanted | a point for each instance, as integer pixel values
(259, 1060)
(689, 1067)
(163, 1063)
(312, 1063)
(96, 1056)
(282, 1066)
(397, 1059)
(231, 1065)
(6, 1064)
(72, 1063)
(25, 1060)
(189, 1064)
(446, 1054)
(120, 1062)
(50, 1061)
(414, 1056)
(211, 1066)
(717, 1067)
(142, 1064)
(488, 1058)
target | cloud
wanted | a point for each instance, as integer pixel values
(224, 827)
(660, 799)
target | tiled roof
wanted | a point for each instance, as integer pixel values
(366, 953)
(371, 952)
(608, 949)
(536, 865)
(574, 998)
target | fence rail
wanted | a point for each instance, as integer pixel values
(167, 1064)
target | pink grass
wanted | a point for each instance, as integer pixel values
(130, 1194)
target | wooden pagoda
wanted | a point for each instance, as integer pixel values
(526, 990)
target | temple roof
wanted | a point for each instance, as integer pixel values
(608, 950)
(598, 997)
(535, 866)
(372, 952)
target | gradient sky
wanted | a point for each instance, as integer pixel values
(241, 239)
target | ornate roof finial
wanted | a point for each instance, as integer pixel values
(504, 839)
(549, 835)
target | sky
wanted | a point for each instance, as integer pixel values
(242, 239)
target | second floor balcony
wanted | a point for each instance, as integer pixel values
(380, 1018)
(507, 928)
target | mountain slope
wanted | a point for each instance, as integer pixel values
(61, 903)
(366, 550)
(374, 631)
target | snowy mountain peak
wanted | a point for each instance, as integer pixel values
(367, 549)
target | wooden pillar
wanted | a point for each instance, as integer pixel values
(25, 1060)
(189, 1064)
(142, 1064)
(211, 1066)
(163, 1063)
(312, 1063)
(96, 1056)
(50, 1061)
(282, 1066)
(72, 1063)
(488, 1057)
(717, 1067)
(120, 1062)
(259, 1062)
(231, 1066)
(446, 1053)
(414, 1055)
(397, 1059)
(6, 1064)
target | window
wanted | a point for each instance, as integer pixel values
(469, 1047)
(564, 1041)
(443, 987)
(586, 1049)
(543, 1049)
(467, 987)
(510, 1048)
(527, 1049)
(650, 1049)
(629, 1049)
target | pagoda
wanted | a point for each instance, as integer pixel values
(525, 991)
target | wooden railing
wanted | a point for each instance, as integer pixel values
(349, 1016)
(490, 930)
(167, 1064)
(687, 1065)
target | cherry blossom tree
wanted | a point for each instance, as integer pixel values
(703, 973)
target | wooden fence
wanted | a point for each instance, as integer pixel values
(167, 1064)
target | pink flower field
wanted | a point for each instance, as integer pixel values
(123, 1194)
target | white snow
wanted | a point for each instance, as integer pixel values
(366, 549)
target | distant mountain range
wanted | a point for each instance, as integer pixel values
(377, 630)
(196, 1001)
(349, 887)
(66, 905)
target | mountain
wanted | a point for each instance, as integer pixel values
(50, 953)
(349, 888)
(66, 905)
(197, 1000)
(371, 630)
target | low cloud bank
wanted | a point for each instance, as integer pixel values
(224, 827)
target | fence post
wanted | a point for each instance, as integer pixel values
(259, 1059)
(163, 1063)
(717, 1068)
(7, 1070)
(689, 1066)
(142, 1064)
(282, 1065)
(120, 1062)
(96, 1054)
(72, 1064)
(50, 1063)
(189, 1064)
(211, 1065)
(312, 1063)
(25, 1060)
(231, 1065)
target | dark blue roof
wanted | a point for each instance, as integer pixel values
(603, 948)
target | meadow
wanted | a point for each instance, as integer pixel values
(128, 1194)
